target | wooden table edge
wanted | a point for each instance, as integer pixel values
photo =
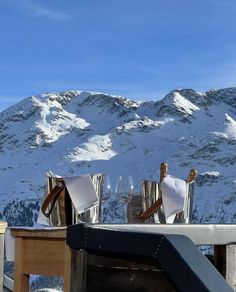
(59, 233)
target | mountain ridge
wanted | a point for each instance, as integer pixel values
(76, 132)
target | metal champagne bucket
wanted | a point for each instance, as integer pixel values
(64, 211)
(151, 192)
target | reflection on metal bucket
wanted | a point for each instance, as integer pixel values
(63, 212)
(150, 193)
(93, 214)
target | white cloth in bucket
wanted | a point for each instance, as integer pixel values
(82, 192)
(174, 192)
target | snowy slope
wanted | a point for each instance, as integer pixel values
(78, 132)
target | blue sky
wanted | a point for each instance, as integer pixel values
(141, 49)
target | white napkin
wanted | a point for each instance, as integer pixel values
(173, 196)
(9, 246)
(82, 192)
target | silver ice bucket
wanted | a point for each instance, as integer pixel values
(61, 211)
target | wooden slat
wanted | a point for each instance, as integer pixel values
(231, 265)
(43, 257)
(112, 272)
(67, 267)
(21, 280)
(1, 260)
(103, 272)
(106, 280)
(220, 258)
(119, 261)
(37, 233)
(3, 226)
(78, 277)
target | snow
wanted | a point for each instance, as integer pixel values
(211, 173)
(183, 104)
(231, 127)
(97, 148)
(77, 132)
(54, 121)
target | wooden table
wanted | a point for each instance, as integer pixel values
(3, 226)
(40, 252)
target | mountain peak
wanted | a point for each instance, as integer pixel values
(180, 103)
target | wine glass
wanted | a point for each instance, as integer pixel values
(106, 193)
(125, 192)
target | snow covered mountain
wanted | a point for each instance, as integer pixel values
(76, 132)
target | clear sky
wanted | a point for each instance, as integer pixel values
(141, 49)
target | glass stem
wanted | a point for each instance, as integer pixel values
(125, 213)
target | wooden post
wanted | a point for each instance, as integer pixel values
(231, 265)
(220, 258)
(67, 267)
(3, 226)
(1, 260)
(78, 276)
(21, 280)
